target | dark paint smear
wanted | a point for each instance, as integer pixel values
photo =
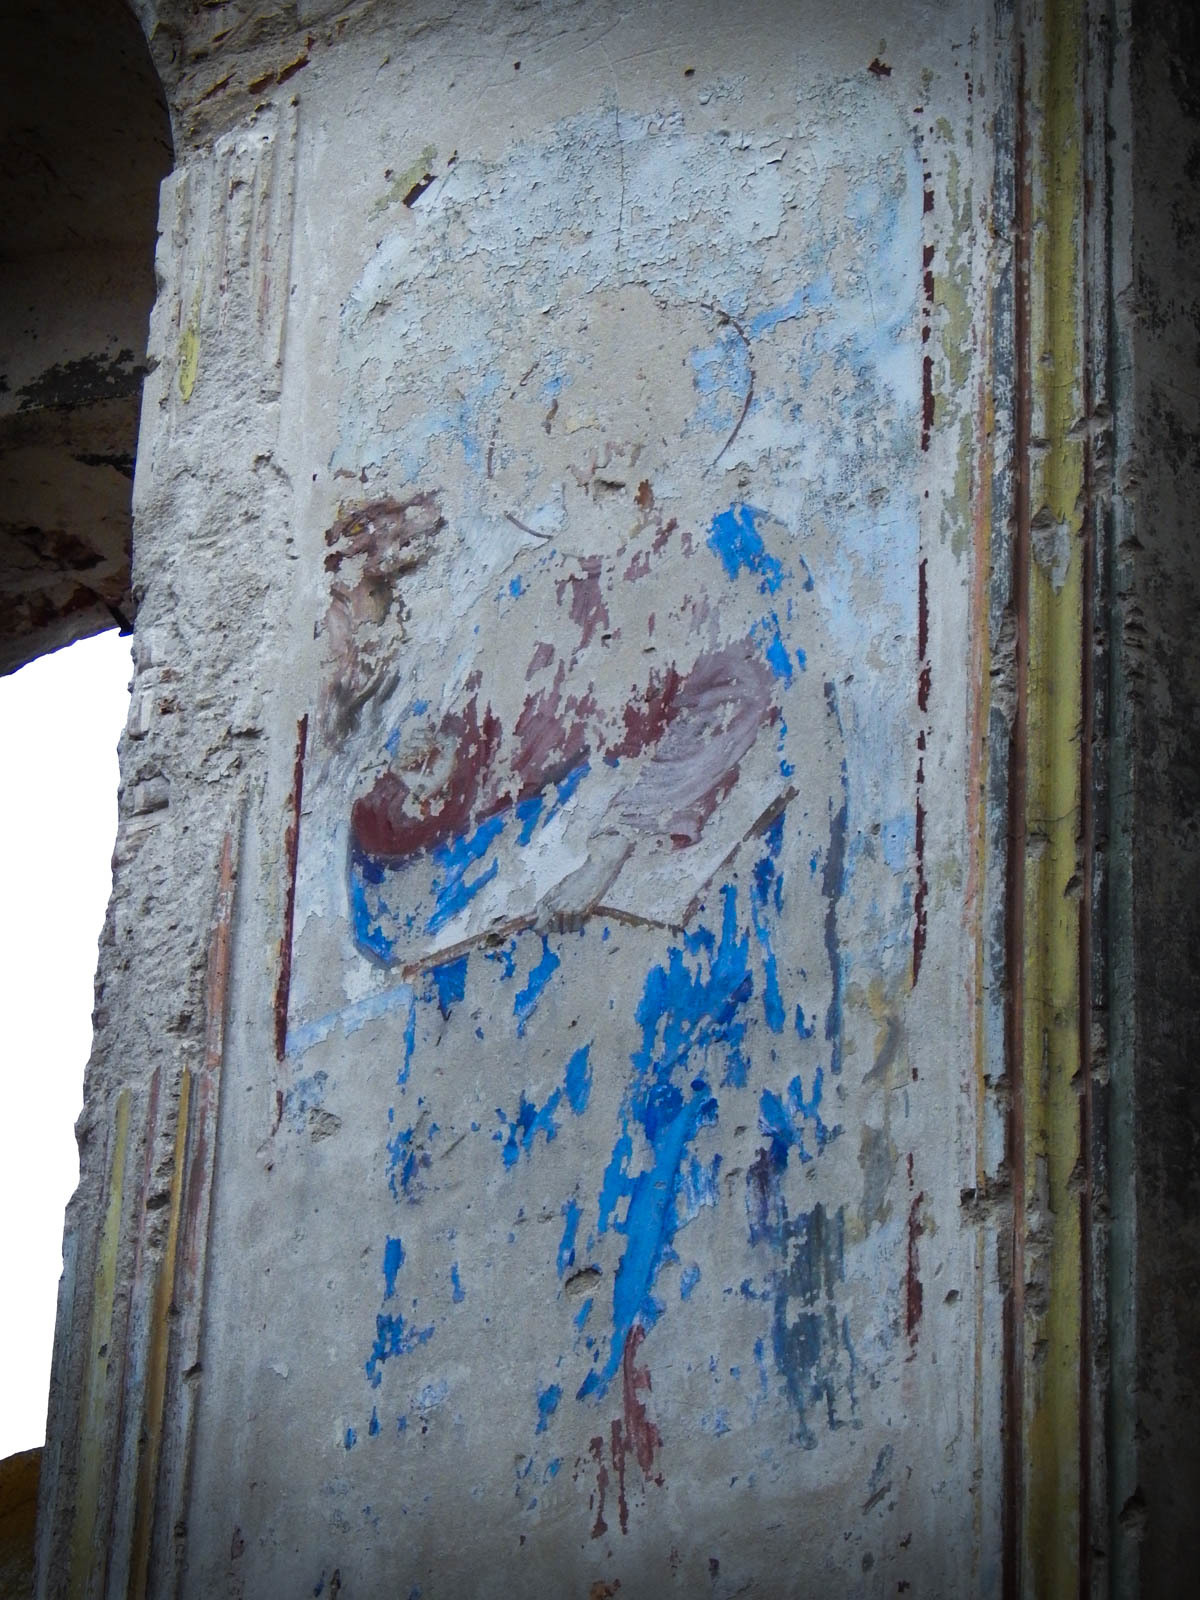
(833, 883)
(418, 189)
(763, 1201)
(291, 848)
(914, 1294)
(807, 1349)
(920, 912)
(924, 684)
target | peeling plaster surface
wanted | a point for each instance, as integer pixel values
(595, 1113)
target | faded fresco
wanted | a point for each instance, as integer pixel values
(608, 884)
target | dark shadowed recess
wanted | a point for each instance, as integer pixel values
(85, 141)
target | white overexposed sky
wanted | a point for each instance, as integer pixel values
(60, 719)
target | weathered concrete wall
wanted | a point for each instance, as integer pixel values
(589, 1086)
(577, 450)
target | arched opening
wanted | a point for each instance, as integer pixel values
(85, 141)
(84, 144)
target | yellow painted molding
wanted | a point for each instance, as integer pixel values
(158, 1349)
(93, 1460)
(1049, 1150)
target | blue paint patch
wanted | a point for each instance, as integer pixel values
(584, 1312)
(459, 1293)
(368, 927)
(899, 841)
(373, 1425)
(735, 538)
(720, 370)
(393, 1260)
(506, 956)
(566, 1248)
(433, 1395)
(553, 1467)
(547, 1404)
(517, 1134)
(526, 1001)
(777, 656)
(454, 891)
(349, 1018)
(833, 886)
(410, 1041)
(450, 982)
(528, 1122)
(688, 1279)
(528, 813)
(405, 1161)
(566, 788)
(351, 1439)
(697, 1187)
(760, 1361)
(767, 891)
(683, 1009)
(392, 1338)
(578, 1081)
(808, 297)
(515, 587)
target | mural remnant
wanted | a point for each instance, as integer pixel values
(600, 826)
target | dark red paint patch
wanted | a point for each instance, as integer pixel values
(920, 912)
(394, 819)
(715, 716)
(648, 716)
(927, 401)
(588, 610)
(542, 656)
(596, 1450)
(291, 850)
(641, 1434)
